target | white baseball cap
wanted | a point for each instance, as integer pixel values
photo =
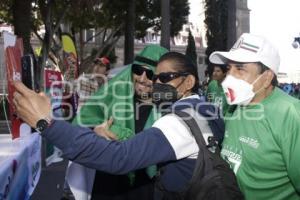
(249, 48)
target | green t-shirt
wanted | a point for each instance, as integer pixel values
(215, 94)
(262, 145)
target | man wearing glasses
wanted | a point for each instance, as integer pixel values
(168, 141)
(113, 106)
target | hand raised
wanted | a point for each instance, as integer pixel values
(29, 105)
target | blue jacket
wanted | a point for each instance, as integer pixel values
(167, 142)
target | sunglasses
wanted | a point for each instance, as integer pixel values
(166, 77)
(139, 70)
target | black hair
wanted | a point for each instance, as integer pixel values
(264, 68)
(98, 62)
(224, 68)
(182, 63)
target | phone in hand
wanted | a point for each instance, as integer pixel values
(27, 63)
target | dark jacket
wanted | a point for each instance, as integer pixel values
(168, 142)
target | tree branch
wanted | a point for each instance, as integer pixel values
(103, 37)
(37, 35)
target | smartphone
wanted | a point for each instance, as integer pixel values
(27, 62)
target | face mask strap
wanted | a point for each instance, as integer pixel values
(180, 83)
(259, 90)
(256, 79)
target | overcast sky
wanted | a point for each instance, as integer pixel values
(279, 21)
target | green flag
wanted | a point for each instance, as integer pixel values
(116, 98)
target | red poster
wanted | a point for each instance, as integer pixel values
(52, 76)
(53, 88)
(13, 67)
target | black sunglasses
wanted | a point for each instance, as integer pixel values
(139, 70)
(166, 77)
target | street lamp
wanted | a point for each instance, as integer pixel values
(296, 43)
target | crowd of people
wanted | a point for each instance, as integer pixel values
(292, 89)
(141, 149)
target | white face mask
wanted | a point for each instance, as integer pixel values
(238, 91)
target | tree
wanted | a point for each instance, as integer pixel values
(106, 16)
(129, 33)
(180, 11)
(149, 16)
(191, 48)
(18, 13)
(165, 24)
(231, 28)
(216, 14)
(5, 11)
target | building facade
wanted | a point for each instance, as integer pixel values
(242, 17)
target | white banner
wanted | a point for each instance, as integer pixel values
(20, 166)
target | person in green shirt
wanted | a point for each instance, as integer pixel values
(215, 93)
(262, 138)
(124, 106)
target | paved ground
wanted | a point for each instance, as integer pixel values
(50, 186)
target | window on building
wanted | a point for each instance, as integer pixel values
(148, 37)
(154, 37)
(184, 39)
(90, 35)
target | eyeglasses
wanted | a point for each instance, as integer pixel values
(139, 70)
(166, 77)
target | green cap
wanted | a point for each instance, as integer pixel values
(150, 55)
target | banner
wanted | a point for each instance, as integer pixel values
(54, 89)
(13, 49)
(71, 71)
(20, 170)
